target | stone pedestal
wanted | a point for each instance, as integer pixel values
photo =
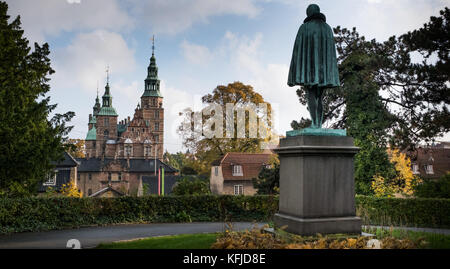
(317, 193)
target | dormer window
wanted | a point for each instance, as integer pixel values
(415, 169)
(237, 170)
(429, 169)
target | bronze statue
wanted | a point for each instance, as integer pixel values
(314, 64)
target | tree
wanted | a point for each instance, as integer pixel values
(76, 148)
(268, 180)
(403, 183)
(416, 94)
(29, 140)
(191, 185)
(210, 149)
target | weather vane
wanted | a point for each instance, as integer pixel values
(107, 74)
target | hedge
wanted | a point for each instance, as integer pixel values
(410, 212)
(37, 214)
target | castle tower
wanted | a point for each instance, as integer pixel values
(152, 106)
(106, 123)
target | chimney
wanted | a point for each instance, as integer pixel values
(128, 118)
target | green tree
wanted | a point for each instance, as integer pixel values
(268, 180)
(191, 185)
(209, 149)
(29, 140)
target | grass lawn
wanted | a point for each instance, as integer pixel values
(435, 241)
(204, 241)
(183, 241)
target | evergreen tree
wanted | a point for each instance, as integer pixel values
(29, 141)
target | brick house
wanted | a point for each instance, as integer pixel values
(233, 173)
(431, 162)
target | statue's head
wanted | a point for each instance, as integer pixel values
(312, 9)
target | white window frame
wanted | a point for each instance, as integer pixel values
(429, 169)
(51, 180)
(237, 170)
(238, 189)
(415, 169)
(216, 171)
(128, 150)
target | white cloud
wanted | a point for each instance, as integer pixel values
(82, 63)
(244, 51)
(49, 17)
(174, 16)
(196, 54)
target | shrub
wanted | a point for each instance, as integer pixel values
(434, 189)
(257, 238)
(191, 185)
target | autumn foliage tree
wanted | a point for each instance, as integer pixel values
(210, 149)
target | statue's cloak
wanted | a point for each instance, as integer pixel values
(314, 55)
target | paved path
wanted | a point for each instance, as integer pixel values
(92, 236)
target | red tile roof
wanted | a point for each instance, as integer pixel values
(439, 157)
(251, 164)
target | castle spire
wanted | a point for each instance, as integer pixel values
(153, 45)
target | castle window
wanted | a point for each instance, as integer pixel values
(106, 122)
(154, 102)
(156, 126)
(90, 176)
(128, 149)
(156, 138)
(156, 114)
(106, 134)
(147, 150)
(89, 192)
(120, 176)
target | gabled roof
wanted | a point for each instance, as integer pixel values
(68, 161)
(109, 188)
(245, 158)
(251, 164)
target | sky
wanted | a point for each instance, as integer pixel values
(199, 44)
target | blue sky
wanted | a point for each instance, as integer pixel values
(199, 44)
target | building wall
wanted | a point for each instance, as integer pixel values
(228, 187)
(216, 182)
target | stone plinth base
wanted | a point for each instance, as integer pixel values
(317, 185)
(312, 226)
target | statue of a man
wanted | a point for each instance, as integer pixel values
(314, 64)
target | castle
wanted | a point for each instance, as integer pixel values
(120, 155)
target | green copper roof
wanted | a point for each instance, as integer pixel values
(93, 120)
(107, 111)
(151, 93)
(92, 134)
